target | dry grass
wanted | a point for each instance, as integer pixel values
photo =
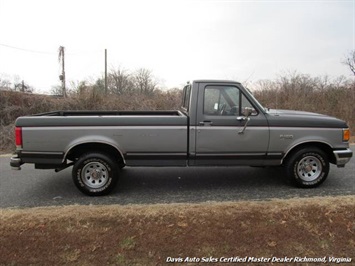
(148, 234)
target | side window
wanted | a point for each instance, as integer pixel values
(221, 101)
(212, 98)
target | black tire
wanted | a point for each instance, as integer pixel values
(307, 167)
(95, 174)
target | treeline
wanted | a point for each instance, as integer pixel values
(140, 91)
(120, 81)
(334, 97)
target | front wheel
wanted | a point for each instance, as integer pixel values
(95, 174)
(308, 167)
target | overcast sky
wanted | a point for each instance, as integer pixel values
(177, 40)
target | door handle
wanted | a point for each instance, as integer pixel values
(241, 118)
(204, 123)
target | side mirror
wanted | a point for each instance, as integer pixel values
(247, 111)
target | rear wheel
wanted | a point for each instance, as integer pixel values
(307, 167)
(95, 174)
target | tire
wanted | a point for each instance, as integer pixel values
(95, 174)
(307, 167)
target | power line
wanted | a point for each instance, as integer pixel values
(48, 53)
(25, 50)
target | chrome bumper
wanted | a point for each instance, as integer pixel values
(342, 157)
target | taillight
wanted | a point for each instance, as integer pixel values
(18, 134)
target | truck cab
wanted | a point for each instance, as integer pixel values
(227, 125)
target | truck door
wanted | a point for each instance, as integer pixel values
(220, 139)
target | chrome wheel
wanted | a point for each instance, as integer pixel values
(309, 168)
(94, 175)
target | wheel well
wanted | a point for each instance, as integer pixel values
(75, 152)
(322, 146)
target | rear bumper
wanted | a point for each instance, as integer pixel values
(342, 157)
(42, 160)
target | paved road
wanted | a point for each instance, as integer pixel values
(30, 187)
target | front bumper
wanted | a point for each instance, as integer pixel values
(342, 157)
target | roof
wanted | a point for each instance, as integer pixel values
(214, 81)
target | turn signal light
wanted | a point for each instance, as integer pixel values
(346, 134)
(18, 134)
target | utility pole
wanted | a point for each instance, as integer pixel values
(106, 71)
(61, 56)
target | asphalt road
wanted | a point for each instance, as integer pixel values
(30, 187)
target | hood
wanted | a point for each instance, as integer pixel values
(291, 112)
(290, 118)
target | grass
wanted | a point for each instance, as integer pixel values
(149, 234)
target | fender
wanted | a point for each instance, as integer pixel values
(310, 142)
(92, 140)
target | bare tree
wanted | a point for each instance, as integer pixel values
(99, 86)
(350, 62)
(79, 87)
(144, 81)
(16, 85)
(5, 83)
(119, 81)
(23, 87)
(56, 90)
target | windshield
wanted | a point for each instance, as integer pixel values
(256, 101)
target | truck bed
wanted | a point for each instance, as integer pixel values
(140, 136)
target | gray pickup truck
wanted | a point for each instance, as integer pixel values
(220, 124)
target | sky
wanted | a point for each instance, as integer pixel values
(177, 40)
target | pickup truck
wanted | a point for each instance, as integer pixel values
(220, 124)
